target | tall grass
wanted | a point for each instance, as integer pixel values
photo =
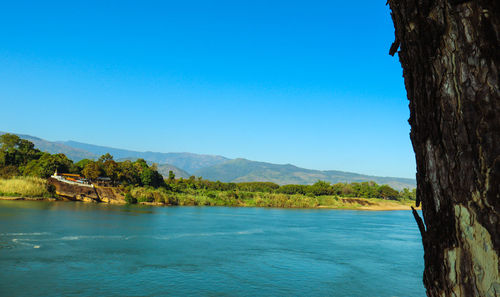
(25, 187)
(146, 194)
(253, 199)
(232, 198)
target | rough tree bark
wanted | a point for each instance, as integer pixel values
(449, 51)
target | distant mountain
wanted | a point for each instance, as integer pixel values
(242, 170)
(187, 161)
(76, 151)
(163, 169)
(75, 154)
(214, 167)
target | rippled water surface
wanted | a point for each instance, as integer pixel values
(78, 249)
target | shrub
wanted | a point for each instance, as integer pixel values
(130, 199)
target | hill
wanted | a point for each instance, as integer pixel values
(164, 169)
(214, 167)
(187, 161)
(242, 170)
(75, 154)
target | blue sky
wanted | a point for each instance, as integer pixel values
(303, 82)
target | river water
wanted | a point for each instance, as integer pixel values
(82, 249)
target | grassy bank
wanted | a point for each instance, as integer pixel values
(25, 187)
(38, 187)
(141, 182)
(261, 199)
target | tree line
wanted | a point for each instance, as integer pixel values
(320, 188)
(19, 157)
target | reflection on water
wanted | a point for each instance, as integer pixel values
(68, 248)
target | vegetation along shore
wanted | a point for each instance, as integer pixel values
(25, 173)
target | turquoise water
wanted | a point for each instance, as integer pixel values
(80, 249)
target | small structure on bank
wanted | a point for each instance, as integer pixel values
(72, 179)
(76, 187)
(104, 182)
(80, 180)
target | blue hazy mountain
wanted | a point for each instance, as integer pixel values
(242, 170)
(186, 161)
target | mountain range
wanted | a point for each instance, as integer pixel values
(242, 170)
(214, 167)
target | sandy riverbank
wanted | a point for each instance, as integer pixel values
(372, 204)
(388, 207)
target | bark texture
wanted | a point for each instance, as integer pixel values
(449, 51)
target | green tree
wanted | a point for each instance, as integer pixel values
(171, 176)
(9, 142)
(130, 199)
(111, 169)
(347, 190)
(387, 192)
(258, 186)
(127, 173)
(27, 152)
(47, 165)
(8, 149)
(407, 194)
(105, 157)
(16, 151)
(321, 188)
(152, 178)
(293, 189)
(81, 164)
(9, 171)
(92, 170)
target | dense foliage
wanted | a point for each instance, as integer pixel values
(320, 188)
(143, 183)
(19, 157)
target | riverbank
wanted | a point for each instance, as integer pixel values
(375, 204)
(239, 195)
(343, 203)
(29, 198)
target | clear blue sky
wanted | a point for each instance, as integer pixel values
(303, 82)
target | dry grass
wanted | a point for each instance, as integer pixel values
(25, 187)
(144, 194)
(259, 199)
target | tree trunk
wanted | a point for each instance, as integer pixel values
(449, 51)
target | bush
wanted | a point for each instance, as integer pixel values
(212, 195)
(130, 199)
(293, 189)
(149, 194)
(246, 195)
(387, 192)
(267, 187)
